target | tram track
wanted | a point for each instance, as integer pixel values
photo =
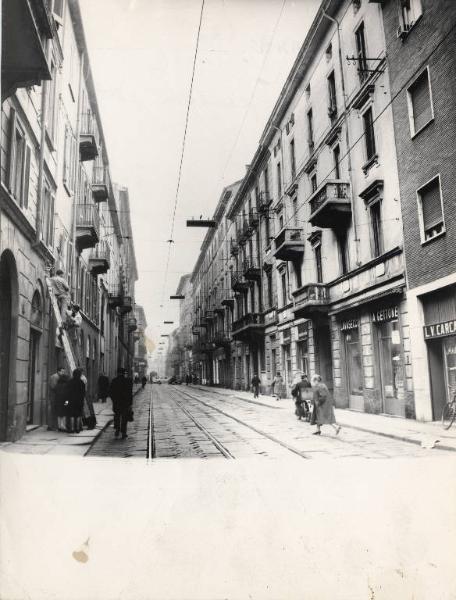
(270, 437)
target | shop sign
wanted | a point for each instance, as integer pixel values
(385, 314)
(440, 329)
(349, 324)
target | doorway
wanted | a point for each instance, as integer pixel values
(33, 362)
(354, 369)
(324, 356)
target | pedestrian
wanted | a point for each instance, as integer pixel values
(143, 381)
(103, 387)
(61, 292)
(61, 396)
(277, 386)
(121, 396)
(256, 385)
(299, 393)
(323, 413)
(74, 403)
(52, 409)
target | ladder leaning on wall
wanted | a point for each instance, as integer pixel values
(72, 354)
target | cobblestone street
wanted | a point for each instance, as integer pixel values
(190, 422)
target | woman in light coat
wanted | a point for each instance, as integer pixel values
(323, 406)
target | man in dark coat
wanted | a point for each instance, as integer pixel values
(103, 387)
(256, 385)
(122, 398)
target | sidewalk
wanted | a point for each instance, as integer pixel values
(426, 434)
(40, 441)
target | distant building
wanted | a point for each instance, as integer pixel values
(139, 336)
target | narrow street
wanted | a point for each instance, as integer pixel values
(190, 422)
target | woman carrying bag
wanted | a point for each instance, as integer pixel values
(323, 412)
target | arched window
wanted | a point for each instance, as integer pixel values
(36, 312)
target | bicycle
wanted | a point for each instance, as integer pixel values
(449, 410)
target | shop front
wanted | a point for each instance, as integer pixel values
(440, 336)
(353, 362)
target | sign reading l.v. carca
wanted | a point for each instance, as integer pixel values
(440, 329)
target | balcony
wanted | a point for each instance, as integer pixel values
(88, 149)
(238, 284)
(132, 324)
(252, 271)
(289, 244)
(100, 259)
(25, 27)
(248, 327)
(126, 305)
(234, 248)
(310, 299)
(245, 232)
(264, 201)
(114, 296)
(100, 183)
(228, 301)
(222, 339)
(330, 205)
(87, 226)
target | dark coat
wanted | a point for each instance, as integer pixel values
(75, 392)
(121, 393)
(324, 406)
(256, 380)
(61, 396)
(103, 386)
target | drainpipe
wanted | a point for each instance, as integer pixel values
(347, 134)
(40, 191)
(78, 175)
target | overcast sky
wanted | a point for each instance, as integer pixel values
(141, 53)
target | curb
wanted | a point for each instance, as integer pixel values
(394, 436)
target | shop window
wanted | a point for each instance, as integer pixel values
(353, 361)
(391, 366)
(286, 362)
(430, 210)
(419, 100)
(302, 351)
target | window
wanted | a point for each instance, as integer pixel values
(19, 162)
(369, 136)
(308, 91)
(295, 211)
(411, 10)
(298, 274)
(279, 180)
(266, 183)
(47, 217)
(292, 159)
(286, 361)
(318, 263)
(273, 362)
(283, 281)
(361, 53)
(332, 100)
(376, 228)
(269, 288)
(329, 52)
(302, 348)
(267, 230)
(51, 103)
(57, 10)
(420, 103)
(430, 210)
(280, 221)
(336, 159)
(310, 136)
(313, 183)
(343, 250)
(69, 160)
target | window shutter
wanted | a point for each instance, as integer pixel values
(421, 101)
(431, 205)
(12, 148)
(26, 183)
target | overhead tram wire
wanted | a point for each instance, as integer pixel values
(179, 177)
(249, 104)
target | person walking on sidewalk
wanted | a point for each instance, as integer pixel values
(121, 396)
(143, 381)
(277, 386)
(323, 413)
(103, 387)
(61, 292)
(256, 385)
(75, 392)
(298, 391)
(52, 408)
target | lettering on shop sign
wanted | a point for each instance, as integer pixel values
(439, 329)
(385, 314)
(350, 324)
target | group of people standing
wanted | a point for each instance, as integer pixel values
(313, 401)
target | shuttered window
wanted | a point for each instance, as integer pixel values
(420, 105)
(369, 135)
(431, 209)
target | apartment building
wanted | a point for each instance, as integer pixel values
(420, 42)
(184, 289)
(213, 351)
(58, 209)
(140, 365)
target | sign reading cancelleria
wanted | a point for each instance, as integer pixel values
(440, 329)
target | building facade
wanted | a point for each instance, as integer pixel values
(420, 41)
(140, 365)
(58, 209)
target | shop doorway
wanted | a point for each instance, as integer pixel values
(391, 368)
(324, 356)
(8, 336)
(354, 369)
(442, 368)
